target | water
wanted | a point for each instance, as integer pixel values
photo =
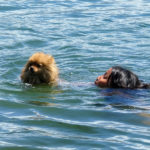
(86, 38)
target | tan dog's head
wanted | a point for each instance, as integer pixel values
(40, 68)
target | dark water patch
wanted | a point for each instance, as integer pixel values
(14, 46)
(22, 29)
(145, 14)
(36, 43)
(17, 147)
(144, 25)
(10, 8)
(12, 105)
(102, 44)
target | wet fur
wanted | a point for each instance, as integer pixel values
(40, 68)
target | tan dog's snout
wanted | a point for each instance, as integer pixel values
(33, 69)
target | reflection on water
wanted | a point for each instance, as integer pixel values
(146, 117)
(41, 103)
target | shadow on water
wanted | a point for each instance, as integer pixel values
(124, 99)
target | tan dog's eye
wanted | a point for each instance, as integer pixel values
(39, 65)
(30, 64)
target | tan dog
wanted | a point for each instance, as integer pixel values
(40, 68)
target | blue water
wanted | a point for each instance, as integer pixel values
(86, 37)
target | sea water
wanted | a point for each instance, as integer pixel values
(86, 38)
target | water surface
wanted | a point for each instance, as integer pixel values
(86, 38)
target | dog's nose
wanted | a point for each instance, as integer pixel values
(31, 69)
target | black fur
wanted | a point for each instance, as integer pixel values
(123, 78)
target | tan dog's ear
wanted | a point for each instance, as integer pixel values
(52, 60)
